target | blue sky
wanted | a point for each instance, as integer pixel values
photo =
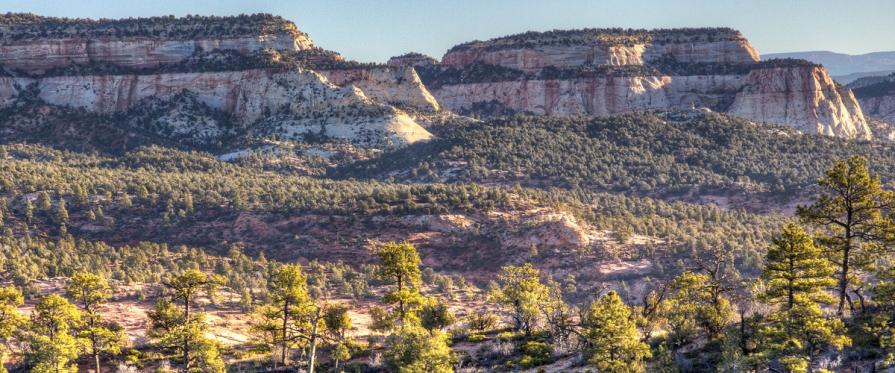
(373, 30)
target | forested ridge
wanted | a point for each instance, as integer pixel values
(662, 154)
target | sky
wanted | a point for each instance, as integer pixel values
(374, 30)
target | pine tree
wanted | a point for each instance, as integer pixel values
(612, 340)
(10, 319)
(290, 302)
(92, 291)
(62, 216)
(851, 209)
(183, 329)
(520, 289)
(795, 266)
(338, 323)
(797, 277)
(53, 345)
(695, 305)
(884, 296)
(399, 265)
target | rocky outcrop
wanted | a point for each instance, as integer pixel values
(34, 44)
(602, 72)
(882, 107)
(805, 98)
(396, 85)
(288, 104)
(561, 49)
(40, 56)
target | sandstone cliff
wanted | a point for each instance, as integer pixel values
(535, 51)
(601, 72)
(252, 69)
(38, 44)
(805, 98)
(288, 104)
(396, 85)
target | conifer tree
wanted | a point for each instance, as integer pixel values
(92, 291)
(183, 329)
(290, 302)
(612, 341)
(796, 277)
(53, 346)
(10, 319)
(414, 350)
(399, 265)
(851, 209)
(521, 291)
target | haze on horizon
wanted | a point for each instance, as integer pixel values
(374, 30)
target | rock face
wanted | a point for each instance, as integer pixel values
(805, 98)
(877, 97)
(601, 72)
(264, 101)
(40, 56)
(561, 49)
(591, 96)
(398, 85)
(113, 67)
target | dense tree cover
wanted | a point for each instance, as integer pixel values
(883, 87)
(689, 323)
(593, 36)
(658, 154)
(176, 188)
(19, 26)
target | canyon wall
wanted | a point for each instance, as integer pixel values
(602, 72)
(805, 98)
(264, 101)
(40, 56)
(538, 57)
(253, 69)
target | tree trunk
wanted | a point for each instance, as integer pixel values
(186, 337)
(284, 342)
(312, 358)
(96, 357)
(843, 275)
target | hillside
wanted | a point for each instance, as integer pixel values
(691, 155)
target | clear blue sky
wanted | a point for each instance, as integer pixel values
(373, 30)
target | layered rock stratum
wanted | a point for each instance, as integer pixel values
(607, 71)
(260, 72)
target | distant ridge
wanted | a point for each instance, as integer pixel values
(840, 64)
